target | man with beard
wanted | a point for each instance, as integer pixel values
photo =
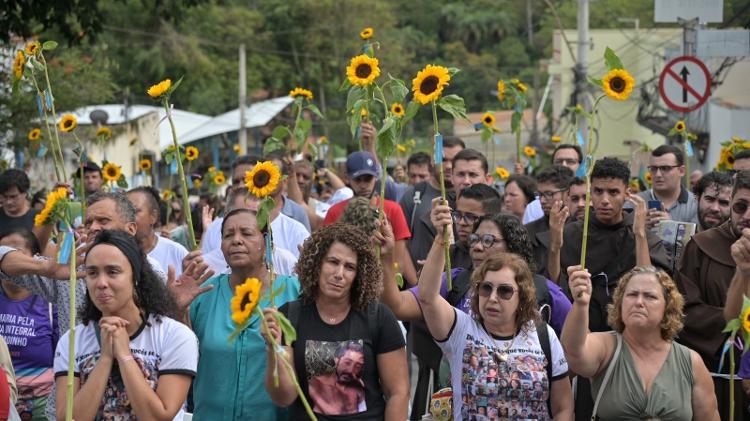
(714, 193)
(343, 391)
(704, 278)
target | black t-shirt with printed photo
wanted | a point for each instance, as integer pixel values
(336, 364)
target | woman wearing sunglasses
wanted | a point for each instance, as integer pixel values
(501, 333)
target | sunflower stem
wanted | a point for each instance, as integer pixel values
(589, 160)
(731, 375)
(52, 105)
(446, 234)
(181, 171)
(297, 117)
(81, 187)
(269, 262)
(71, 341)
(518, 145)
(49, 131)
(685, 140)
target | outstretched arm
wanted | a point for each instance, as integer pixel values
(403, 304)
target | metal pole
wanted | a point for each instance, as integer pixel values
(242, 101)
(583, 59)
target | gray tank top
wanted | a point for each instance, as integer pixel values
(670, 397)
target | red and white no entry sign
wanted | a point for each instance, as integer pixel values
(685, 84)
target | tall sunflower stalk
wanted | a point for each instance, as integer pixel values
(58, 208)
(738, 325)
(512, 94)
(617, 84)
(680, 128)
(32, 59)
(299, 132)
(428, 87)
(162, 91)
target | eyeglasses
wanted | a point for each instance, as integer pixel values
(740, 207)
(549, 194)
(663, 168)
(488, 240)
(503, 291)
(467, 217)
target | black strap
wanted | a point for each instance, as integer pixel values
(543, 300)
(543, 334)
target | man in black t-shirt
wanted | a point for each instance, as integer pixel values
(16, 211)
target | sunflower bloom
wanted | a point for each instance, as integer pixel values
(488, 120)
(104, 133)
(555, 139)
(263, 179)
(648, 178)
(529, 151)
(363, 70)
(245, 299)
(296, 92)
(429, 83)
(34, 134)
(519, 85)
(18, 64)
(167, 194)
(401, 148)
(367, 33)
(502, 173)
(746, 320)
(323, 140)
(32, 48)
(236, 148)
(679, 127)
(191, 153)
(197, 183)
(68, 123)
(219, 179)
(618, 84)
(144, 164)
(364, 113)
(160, 88)
(501, 90)
(397, 109)
(53, 198)
(111, 172)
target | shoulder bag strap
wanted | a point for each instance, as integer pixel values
(607, 374)
(543, 334)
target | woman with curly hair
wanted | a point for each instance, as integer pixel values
(131, 359)
(639, 371)
(349, 355)
(502, 333)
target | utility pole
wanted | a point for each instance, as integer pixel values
(243, 101)
(583, 59)
(535, 84)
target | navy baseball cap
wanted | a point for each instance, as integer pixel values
(361, 163)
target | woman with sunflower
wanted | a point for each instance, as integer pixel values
(349, 354)
(647, 314)
(131, 358)
(227, 386)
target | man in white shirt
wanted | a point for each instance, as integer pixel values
(145, 200)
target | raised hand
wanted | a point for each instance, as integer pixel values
(207, 216)
(557, 217)
(384, 238)
(273, 327)
(741, 252)
(579, 282)
(188, 286)
(641, 214)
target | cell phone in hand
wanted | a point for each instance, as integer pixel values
(654, 204)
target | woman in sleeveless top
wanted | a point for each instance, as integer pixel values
(652, 376)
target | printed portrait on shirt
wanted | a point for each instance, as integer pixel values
(335, 376)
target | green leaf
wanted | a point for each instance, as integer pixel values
(290, 335)
(264, 212)
(39, 67)
(175, 85)
(486, 134)
(398, 89)
(281, 133)
(453, 70)
(411, 111)
(355, 94)
(515, 122)
(399, 280)
(345, 85)
(386, 139)
(594, 81)
(273, 144)
(453, 105)
(304, 125)
(732, 326)
(314, 109)
(613, 62)
(49, 45)
(121, 182)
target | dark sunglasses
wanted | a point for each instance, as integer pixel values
(503, 291)
(740, 207)
(469, 218)
(487, 240)
(663, 168)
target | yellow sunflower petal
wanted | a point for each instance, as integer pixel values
(245, 299)
(501, 90)
(367, 33)
(363, 70)
(263, 179)
(555, 139)
(32, 48)
(34, 134)
(104, 133)
(397, 109)
(429, 84)
(296, 92)
(53, 198)
(111, 172)
(68, 123)
(618, 84)
(191, 153)
(160, 88)
(529, 151)
(18, 64)
(488, 120)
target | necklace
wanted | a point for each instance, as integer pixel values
(503, 355)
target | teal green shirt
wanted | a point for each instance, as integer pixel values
(229, 384)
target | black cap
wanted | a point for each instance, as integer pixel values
(88, 166)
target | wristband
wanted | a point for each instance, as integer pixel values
(123, 360)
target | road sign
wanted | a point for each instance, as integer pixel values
(674, 10)
(685, 84)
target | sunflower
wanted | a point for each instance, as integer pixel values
(144, 164)
(34, 134)
(429, 83)
(111, 171)
(104, 133)
(53, 198)
(197, 183)
(555, 139)
(579, 108)
(211, 169)
(32, 48)
(18, 64)
(648, 178)
(634, 185)
(323, 140)
(501, 90)
(736, 139)
(364, 113)
(730, 160)
(618, 84)
(679, 127)
(191, 153)
(529, 151)
(502, 173)
(746, 320)
(245, 299)
(68, 123)
(236, 148)
(363, 70)
(519, 85)
(167, 194)
(401, 148)
(219, 179)
(263, 179)
(366, 33)
(160, 88)
(294, 93)
(397, 109)
(488, 120)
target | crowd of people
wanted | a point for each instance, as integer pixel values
(518, 329)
